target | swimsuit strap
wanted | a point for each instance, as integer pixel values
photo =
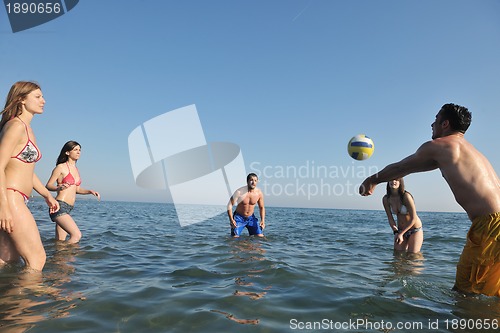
(79, 177)
(25, 197)
(25, 126)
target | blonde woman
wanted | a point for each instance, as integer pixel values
(19, 235)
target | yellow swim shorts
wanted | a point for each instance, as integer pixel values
(478, 270)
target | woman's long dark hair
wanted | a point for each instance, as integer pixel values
(401, 190)
(68, 146)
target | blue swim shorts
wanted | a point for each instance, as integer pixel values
(250, 222)
(64, 208)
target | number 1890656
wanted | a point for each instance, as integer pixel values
(33, 8)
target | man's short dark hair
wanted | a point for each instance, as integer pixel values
(250, 175)
(458, 116)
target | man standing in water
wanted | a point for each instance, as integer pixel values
(246, 197)
(476, 188)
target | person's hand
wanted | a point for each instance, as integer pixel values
(6, 222)
(398, 238)
(62, 186)
(262, 225)
(52, 203)
(367, 187)
(94, 193)
(232, 223)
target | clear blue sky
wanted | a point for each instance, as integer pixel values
(289, 81)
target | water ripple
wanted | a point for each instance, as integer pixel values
(137, 270)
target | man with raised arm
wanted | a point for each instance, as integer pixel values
(476, 188)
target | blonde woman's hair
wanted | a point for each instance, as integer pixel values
(13, 104)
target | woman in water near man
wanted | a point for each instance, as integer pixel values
(408, 233)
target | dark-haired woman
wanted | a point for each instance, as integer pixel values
(66, 180)
(408, 233)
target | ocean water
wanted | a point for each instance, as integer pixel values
(317, 270)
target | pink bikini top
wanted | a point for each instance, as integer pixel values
(30, 153)
(69, 179)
